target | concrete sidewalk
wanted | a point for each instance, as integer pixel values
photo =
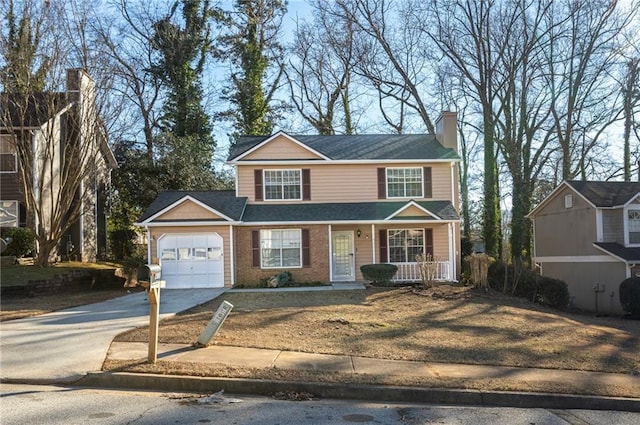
(261, 358)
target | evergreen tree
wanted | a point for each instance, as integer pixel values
(23, 72)
(185, 144)
(249, 42)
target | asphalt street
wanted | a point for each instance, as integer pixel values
(26, 404)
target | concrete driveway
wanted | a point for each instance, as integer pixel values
(64, 345)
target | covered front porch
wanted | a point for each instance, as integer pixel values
(352, 246)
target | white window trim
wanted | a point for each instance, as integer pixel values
(635, 207)
(299, 231)
(424, 235)
(386, 183)
(264, 185)
(15, 156)
(17, 211)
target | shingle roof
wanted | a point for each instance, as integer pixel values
(606, 194)
(223, 201)
(627, 254)
(236, 208)
(363, 147)
(353, 211)
(32, 110)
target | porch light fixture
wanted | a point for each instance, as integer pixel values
(358, 233)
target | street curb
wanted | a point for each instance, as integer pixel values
(358, 392)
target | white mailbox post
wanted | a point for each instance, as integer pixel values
(149, 277)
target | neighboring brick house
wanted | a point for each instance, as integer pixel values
(587, 233)
(48, 123)
(317, 206)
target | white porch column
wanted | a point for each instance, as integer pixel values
(232, 256)
(373, 244)
(330, 254)
(452, 252)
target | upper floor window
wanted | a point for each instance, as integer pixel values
(8, 157)
(633, 218)
(404, 182)
(282, 185)
(8, 213)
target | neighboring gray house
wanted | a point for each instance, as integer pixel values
(55, 124)
(587, 233)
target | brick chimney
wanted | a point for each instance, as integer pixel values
(447, 129)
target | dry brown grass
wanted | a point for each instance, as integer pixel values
(443, 324)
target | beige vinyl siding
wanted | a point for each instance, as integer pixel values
(281, 148)
(188, 210)
(222, 230)
(613, 226)
(561, 231)
(413, 212)
(346, 182)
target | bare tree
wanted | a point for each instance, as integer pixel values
(580, 62)
(464, 34)
(319, 73)
(631, 100)
(391, 54)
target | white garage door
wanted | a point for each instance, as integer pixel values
(191, 260)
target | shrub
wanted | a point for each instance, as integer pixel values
(23, 241)
(552, 292)
(629, 291)
(379, 273)
(122, 243)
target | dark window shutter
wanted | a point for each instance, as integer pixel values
(22, 214)
(306, 248)
(255, 245)
(383, 246)
(382, 183)
(306, 184)
(428, 242)
(428, 191)
(257, 178)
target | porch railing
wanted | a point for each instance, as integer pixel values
(409, 272)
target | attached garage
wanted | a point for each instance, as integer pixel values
(192, 260)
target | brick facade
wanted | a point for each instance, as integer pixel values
(248, 275)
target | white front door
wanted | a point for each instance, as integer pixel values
(191, 260)
(343, 262)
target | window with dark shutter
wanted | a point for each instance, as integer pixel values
(383, 246)
(257, 178)
(306, 184)
(255, 245)
(382, 183)
(306, 248)
(428, 185)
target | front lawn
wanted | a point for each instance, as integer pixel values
(447, 324)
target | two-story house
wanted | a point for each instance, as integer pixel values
(55, 129)
(317, 206)
(587, 233)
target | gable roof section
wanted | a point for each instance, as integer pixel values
(357, 147)
(221, 202)
(598, 194)
(32, 110)
(333, 212)
(606, 194)
(252, 144)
